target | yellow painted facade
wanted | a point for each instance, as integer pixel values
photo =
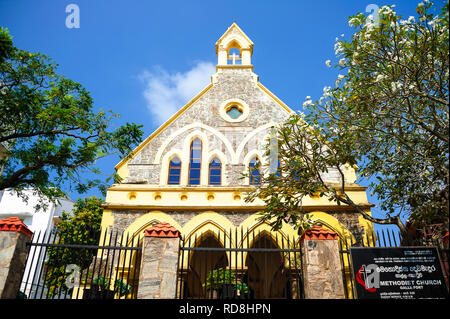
(156, 201)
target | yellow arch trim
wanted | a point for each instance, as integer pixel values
(332, 223)
(140, 224)
(252, 223)
(207, 221)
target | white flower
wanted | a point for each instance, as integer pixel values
(338, 48)
(301, 114)
(328, 63)
(339, 79)
(411, 19)
(379, 78)
(342, 62)
(308, 102)
(396, 85)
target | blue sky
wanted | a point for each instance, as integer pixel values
(125, 51)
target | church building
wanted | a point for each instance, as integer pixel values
(188, 172)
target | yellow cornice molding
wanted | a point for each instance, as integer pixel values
(177, 188)
(218, 208)
(234, 66)
(162, 127)
(153, 188)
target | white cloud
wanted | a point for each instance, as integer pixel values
(166, 93)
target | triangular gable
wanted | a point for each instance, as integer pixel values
(184, 109)
(234, 26)
(162, 127)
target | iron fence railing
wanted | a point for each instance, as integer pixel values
(239, 265)
(85, 264)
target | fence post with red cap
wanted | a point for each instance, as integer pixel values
(14, 236)
(158, 276)
(322, 273)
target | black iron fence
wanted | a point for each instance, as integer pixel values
(84, 264)
(385, 238)
(239, 265)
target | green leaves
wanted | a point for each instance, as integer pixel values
(388, 113)
(6, 44)
(82, 227)
(218, 277)
(48, 126)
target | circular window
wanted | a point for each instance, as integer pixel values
(234, 110)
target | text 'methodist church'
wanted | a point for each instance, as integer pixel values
(188, 172)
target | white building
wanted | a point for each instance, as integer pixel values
(13, 205)
(39, 222)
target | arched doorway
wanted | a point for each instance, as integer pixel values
(266, 274)
(201, 263)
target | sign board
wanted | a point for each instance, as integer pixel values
(398, 273)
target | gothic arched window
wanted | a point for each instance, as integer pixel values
(215, 172)
(174, 171)
(234, 56)
(254, 172)
(195, 162)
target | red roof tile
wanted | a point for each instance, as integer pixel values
(319, 233)
(15, 224)
(162, 230)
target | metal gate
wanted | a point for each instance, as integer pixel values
(239, 265)
(86, 264)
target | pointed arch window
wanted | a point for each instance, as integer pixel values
(174, 171)
(255, 174)
(195, 162)
(215, 172)
(234, 56)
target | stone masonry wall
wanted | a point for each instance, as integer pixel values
(124, 218)
(13, 254)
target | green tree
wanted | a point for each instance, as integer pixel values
(50, 134)
(6, 44)
(82, 226)
(387, 113)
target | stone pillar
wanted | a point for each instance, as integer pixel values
(13, 255)
(322, 270)
(158, 276)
